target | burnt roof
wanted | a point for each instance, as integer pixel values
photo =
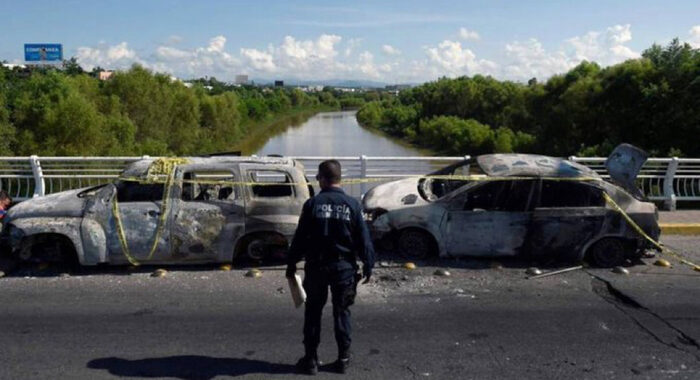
(140, 168)
(532, 165)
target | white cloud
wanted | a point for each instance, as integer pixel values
(694, 40)
(330, 56)
(115, 56)
(258, 60)
(367, 66)
(605, 48)
(390, 50)
(211, 60)
(352, 44)
(530, 59)
(468, 35)
(450, 59)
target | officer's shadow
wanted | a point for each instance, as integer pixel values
(188, 367)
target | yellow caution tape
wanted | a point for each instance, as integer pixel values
(663, 249)
(160, 167)
(163, 171)
(352, 181)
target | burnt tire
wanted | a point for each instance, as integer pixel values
(607, 253)
(256, 250)
(416, 244)
(54, 250)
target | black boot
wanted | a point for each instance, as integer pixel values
(341, 365)
(308, 365)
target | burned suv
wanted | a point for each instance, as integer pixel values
(213, 209)
(544, 207)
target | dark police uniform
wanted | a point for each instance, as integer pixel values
(330, 236)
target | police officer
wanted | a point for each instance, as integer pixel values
(330, 236)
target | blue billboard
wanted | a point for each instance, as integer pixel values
(43, 52)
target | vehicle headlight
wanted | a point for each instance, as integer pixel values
(381, 223)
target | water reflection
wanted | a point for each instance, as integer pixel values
(326, 134)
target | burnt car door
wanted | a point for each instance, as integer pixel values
(208, 214)
(568, 214)
(139, 207)
(490, 219)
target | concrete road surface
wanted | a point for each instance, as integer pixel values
(480, 322)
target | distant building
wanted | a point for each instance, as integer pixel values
(279, 83)
(241, 79)
(105, 75)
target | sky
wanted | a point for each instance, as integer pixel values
(402, 41)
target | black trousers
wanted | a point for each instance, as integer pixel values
(341, 281)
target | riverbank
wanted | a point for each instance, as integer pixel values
(406, 143)
(260, 132)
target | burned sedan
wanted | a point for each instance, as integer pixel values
(542, 207)
(213, 209)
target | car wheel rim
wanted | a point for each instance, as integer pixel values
(256, 250)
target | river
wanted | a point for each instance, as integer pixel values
(327, 134)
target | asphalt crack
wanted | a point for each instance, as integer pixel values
(647, 320)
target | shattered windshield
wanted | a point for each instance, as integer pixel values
(437, 184)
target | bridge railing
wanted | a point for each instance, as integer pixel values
(666, 180)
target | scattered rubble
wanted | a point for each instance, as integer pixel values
(442, 272)
(159, 273)
(662, 263)
(254, 273)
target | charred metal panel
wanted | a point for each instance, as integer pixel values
(94, 242)
(563, 233)
(624, 164)
(486, 233)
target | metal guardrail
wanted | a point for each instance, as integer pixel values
(668, 180)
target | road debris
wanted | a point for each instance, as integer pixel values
(554, 272)
(159, 273)
(662, 263)
(496, 265)
(2, 274)
(620, 270)
(442, 272)
(409, 266)
(64, 275)
(384, 264)
(532, 271)
(225, 267)
(254, 273)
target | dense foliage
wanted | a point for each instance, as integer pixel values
(652, 102)
(70, 112)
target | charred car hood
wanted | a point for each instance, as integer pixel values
(624, 164)
(66, 204)
(394, 195)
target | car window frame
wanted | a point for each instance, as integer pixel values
(537, 202)
(234, 175)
